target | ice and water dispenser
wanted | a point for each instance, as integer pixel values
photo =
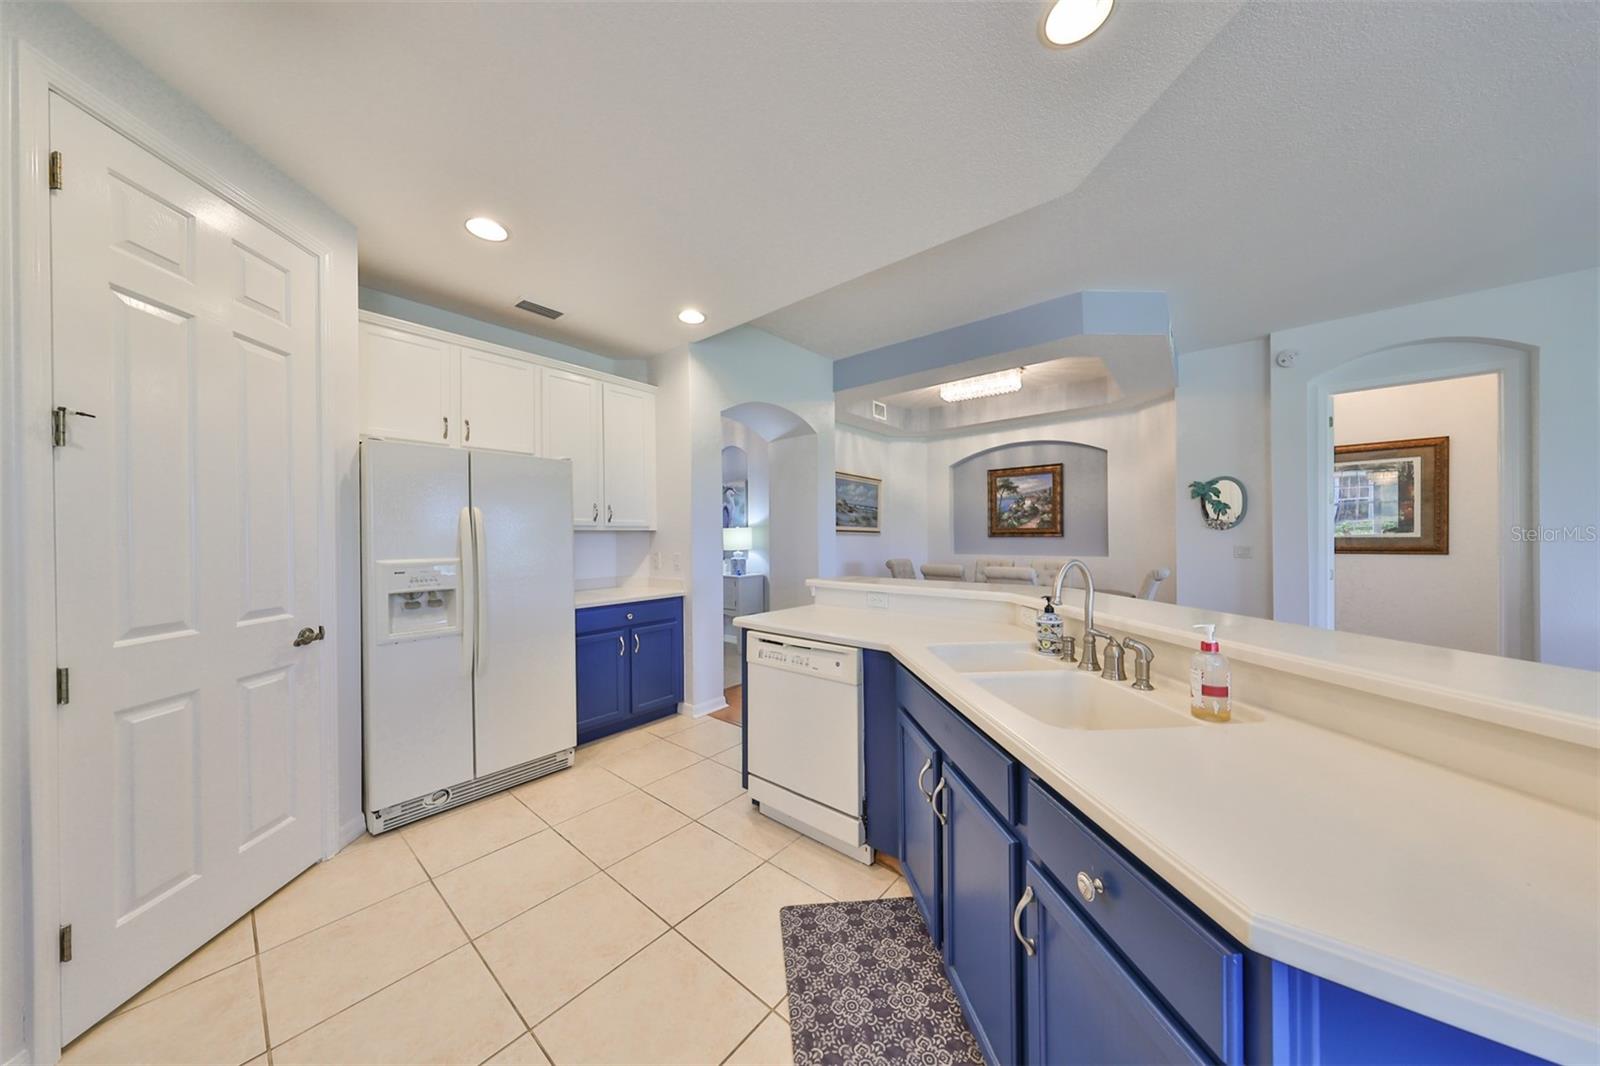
(423, 597)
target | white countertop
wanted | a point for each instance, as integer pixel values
(651, 590)
(1462, 900)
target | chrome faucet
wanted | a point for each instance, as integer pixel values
(1089, 660)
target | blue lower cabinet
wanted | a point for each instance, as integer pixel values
(981, 888)
(630, 665)
(1082, 1005)
(602, 681)
(654, 667)
(919, 826)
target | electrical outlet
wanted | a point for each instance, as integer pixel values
(677, 562)
(1242, 551)
(877, 599)
(655, 561)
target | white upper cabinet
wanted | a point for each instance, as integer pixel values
(422, 384)
(629, 421)
(571, 419)
(499, 402)
(406, 387)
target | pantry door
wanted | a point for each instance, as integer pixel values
(185, 353)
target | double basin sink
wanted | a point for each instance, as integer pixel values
(1059, 694)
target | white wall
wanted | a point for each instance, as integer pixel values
(1222, 429)
(1557, 322)
(1453, 600)
(902, 511)
(57, 33)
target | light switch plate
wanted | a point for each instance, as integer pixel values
(877, 599)
(1242, 551)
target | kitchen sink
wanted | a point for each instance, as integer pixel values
(1070, 699)
(995, 657)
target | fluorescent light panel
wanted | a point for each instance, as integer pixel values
(983, 385)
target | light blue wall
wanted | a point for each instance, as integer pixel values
(385, 303)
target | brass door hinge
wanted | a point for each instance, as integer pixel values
(63, 686)
(66, 943)
(55, 171)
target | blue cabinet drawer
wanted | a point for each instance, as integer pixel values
(991, 771)
(622, 615)
(1197, 971)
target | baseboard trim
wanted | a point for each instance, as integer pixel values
(700, 710)
(352, 830)
(21, 1058)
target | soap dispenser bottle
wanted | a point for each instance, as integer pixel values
(1208, 679)
(1048, 631)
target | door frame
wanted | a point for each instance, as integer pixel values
(27, 465)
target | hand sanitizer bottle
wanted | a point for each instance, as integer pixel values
(1047, 631)
(1208, 679)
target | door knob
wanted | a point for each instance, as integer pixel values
(308, 636)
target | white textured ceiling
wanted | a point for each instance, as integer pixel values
(645, 156)
(1316, 160)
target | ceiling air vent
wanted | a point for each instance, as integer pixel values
(880, 410)
(538, 309)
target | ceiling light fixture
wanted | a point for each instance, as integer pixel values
(689, 316)
(983, 385)
(1066, 22)
(486, 229)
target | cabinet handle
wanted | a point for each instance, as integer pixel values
(622, 647)
(608, 512)
(1089, 887)
(1016, 919)
(933, 801)
(636, 644)
(925, 768)
(466, 423)
(446, 433)
(596, 512)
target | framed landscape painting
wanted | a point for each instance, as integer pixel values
(1025, 501)
(1392, 496)
(855, 503)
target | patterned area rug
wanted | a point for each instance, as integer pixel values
(866, 985)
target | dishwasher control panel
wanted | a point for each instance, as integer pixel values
(824, 661)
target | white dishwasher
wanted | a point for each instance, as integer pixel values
(803, 732)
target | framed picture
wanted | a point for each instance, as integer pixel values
(1392, 496)
(735, 504)
(1025, 501)
(855, 503)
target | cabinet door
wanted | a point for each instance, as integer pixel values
(571, 430)
(499, 402)
(919, 827)
(406, 386)
(602, 669)
(630, 458)
(1081, 1004)
(982, 883)
(654, 667)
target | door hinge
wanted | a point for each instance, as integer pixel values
(1330, 421)
(63, 686)
(55, 171)
(66, 943)
(58, 427)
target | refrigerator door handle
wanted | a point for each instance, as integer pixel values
(469, 589)
(480, 569)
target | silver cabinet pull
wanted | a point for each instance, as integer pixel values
(608, 512)
(596, 517)
(933, 801)
(925, 768)
(446, 433)
(636, 644)
(466, 424)
(1016, 919)
(622, 647)
(1089, 887)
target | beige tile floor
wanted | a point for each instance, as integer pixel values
(622, 911)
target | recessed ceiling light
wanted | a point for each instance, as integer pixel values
(983, 385)
(689, 316)
(1067, 22)
(486, 229)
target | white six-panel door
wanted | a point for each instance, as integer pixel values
(186, 553)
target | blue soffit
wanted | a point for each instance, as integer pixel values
(1079, 314)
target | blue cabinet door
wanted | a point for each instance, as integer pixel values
(654, 667)
(919, 828)
(1081, 1004)
(602, 669)
(982, 884)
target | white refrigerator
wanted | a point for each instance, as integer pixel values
(468, 682)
